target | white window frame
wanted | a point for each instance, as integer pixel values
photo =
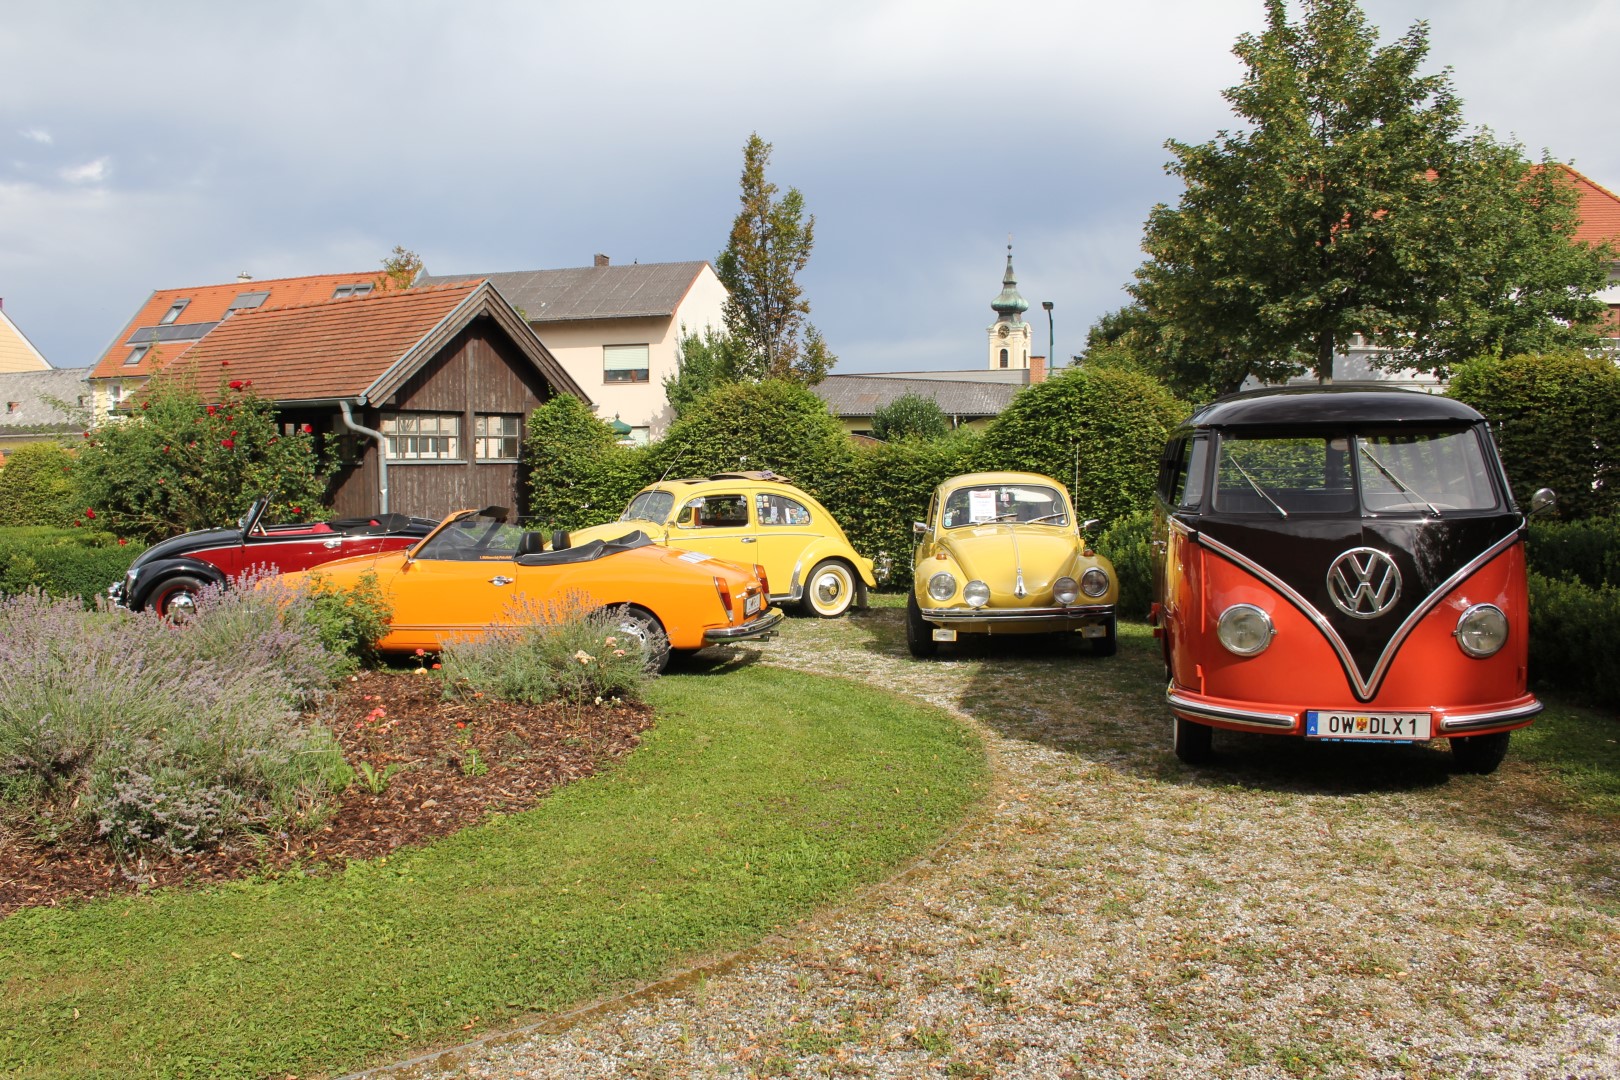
(423, 436)
(622, 358)
(511, 430)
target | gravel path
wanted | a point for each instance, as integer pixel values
(1292, 911)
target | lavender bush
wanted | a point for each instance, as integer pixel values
(158, 736)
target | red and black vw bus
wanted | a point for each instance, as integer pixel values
(1345, 563)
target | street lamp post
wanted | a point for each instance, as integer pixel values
(1051, 356)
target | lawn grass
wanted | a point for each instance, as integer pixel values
(1581, 747)
(761, 795)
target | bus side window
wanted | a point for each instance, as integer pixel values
(1189, 487)
(1170, 469)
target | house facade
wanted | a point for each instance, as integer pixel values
(41, 406)
(172, 320)
(422, 392)
(17, 353)
(616, 330)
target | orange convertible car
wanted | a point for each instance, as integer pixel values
(476, 570)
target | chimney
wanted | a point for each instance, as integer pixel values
(1037, 369)
(601, 260)
(244, 277)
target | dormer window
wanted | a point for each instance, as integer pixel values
(351, 290)
(137, 354)
(247, 301)
(173, 313)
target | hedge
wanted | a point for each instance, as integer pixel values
(37, 487)
(62, 562)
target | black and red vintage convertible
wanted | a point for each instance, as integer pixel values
(168, 575)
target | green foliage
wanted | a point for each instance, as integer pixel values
(1587, 552)
(180, 462)
(37, 487)
(706, 362)
(765, 312)
(1572, 630)
(558, 651)
(399, 269)
(1109, 423)
(910, 416)
(885, 487)
(347, 622)
(1350, 201)
(775, 424)
(1557, 423)
(1125, 543)
(577, 473)
(78, 562)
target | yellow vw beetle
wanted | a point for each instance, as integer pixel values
(755, 519)
(1001, 553)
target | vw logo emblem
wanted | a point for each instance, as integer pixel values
(1363, 583)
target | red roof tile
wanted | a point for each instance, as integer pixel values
(333, 349)
(207, 305)
(1599, 210)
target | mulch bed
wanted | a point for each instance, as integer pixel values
(457, 762)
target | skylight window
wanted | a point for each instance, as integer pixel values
(173, 313)
(137, 354)
(351, 290)
(247, 301)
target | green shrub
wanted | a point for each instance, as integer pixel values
(557, 651)
(1099, 430)
(181, 462)
(1125, 543)
(1571, 628)
(347, 622)
(37, 487)
(576, 473)
(774, 425)
(1556, 418)
(78, 562)
(1584, 551)
(910, 416)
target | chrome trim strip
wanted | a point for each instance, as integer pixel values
(1267, 721)
(760, 627)
(1364, 689)
(1475, 721)
(1014, 614)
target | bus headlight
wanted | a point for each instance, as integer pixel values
(1482, 631)
(1245, 630)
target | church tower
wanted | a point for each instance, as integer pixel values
(1009, 335)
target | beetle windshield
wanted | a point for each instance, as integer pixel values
(983, 503)
(651, 506)
(474, 537)
(1426, 473)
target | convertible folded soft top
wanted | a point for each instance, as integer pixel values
(588, 552)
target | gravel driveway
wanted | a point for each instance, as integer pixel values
(1291, 911)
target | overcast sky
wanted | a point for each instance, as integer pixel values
(163, 145)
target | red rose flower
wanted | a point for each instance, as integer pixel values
(122, 541)
(228, 444)
(233, 434)
(210, 410)
(236, 384)
(224, 363)
(90, 514)
(309, 429)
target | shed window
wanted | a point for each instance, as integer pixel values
(495, 437)
(624, 363)
(423, 436)
(173, 313)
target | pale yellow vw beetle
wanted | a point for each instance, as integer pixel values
(1001, 553)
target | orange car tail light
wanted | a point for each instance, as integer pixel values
(764, 580)
(725, 599)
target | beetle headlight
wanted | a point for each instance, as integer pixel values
(976, 593)
(1244, 629)
(942, 586)
(1094, 582)
(1065, 590)
(1482, 630)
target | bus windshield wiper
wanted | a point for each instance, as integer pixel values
(1258, 490)
(1410, 494)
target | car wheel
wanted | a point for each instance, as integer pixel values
(1108, 644)
(919, 631)
(644, 626)
(1193, 743)
(1479, 754)
(176, 598)
(830, 589)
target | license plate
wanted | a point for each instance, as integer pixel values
(751, 605)
(1396, 727)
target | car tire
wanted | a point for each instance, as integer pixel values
(1479, 754)
(829, 590)
(1108, 644)
(1192, 742)
(175, 598)
(644, 626)
(919, 631)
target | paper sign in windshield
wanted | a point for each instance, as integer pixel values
(981, 506)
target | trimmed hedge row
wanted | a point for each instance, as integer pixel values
(1575, 607)
(62, 562)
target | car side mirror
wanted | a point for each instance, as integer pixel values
(920, 528)
(1089, 524)
(1543, 500)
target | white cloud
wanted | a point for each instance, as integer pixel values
(39, 135)
(91, 172)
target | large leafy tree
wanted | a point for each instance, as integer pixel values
(1352, 201)
(705, 362)
(770, 243)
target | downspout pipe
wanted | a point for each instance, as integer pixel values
(382, 452)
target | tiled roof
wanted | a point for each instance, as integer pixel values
(34, 394)
(863, 395)
(1599, 210)
(207, 305)
(343, 348)
(638, 290)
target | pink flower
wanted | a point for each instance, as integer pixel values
(419, 652)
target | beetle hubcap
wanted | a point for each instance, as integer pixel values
(181, 606)
(829, 587)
